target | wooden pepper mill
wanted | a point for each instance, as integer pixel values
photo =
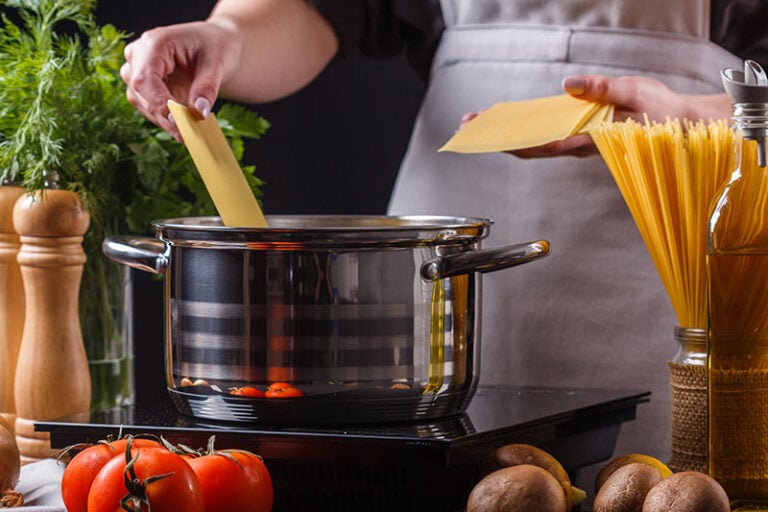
(52, 377)
(11, 301)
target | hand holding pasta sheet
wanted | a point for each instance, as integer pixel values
(516, 125)
(632, 97)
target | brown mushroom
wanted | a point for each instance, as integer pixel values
(686, 491)
(521, 488)
(623, 460)
(626, 488)
(516, 454)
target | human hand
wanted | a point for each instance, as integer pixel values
(633, 97)
(184, 62)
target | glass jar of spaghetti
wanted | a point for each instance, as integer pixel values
(737, 292)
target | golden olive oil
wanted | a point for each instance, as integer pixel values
(737, 302)
(738, 373)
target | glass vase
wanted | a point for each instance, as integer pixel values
(106, 316)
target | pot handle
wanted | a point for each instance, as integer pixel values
(141, 252)
(483, 260)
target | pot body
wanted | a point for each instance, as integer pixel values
(372, 319)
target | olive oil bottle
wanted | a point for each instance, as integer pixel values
(737, 301)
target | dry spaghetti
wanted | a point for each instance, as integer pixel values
(668, 174)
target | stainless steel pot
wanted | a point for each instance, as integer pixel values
(372, 318)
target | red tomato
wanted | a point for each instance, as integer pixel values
(282, 390)
(234, 481)
(247, 391)
(154, 477)
(279, 385)
(83, 468)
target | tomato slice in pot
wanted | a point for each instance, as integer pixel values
(247, 391)
(283, 393)
(279, 385)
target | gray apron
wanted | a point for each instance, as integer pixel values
(594, 313)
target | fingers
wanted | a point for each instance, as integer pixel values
(171, 63)
(633, 96)
(578, 145)
(602, 89)
(148, 62)
(467, 118)
(201, 91)
(142, 105)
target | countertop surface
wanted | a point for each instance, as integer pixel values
(40, 483)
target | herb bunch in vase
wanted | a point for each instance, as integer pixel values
(65, 123)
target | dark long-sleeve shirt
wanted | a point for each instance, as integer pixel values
(383, 28)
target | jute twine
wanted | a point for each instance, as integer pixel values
(689, 417)
(739, 443)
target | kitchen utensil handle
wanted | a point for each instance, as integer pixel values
(483, 260)
(141, 252)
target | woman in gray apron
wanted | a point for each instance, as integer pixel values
(593, 314)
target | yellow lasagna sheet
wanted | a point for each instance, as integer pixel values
(221, 173)
(515, 125)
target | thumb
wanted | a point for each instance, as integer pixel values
(633, 96)
(202, 95)
(202, 105)
(600, 88)
(624, 92)
(206, 83)
(590, 87)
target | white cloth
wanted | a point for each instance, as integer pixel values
(40, 483)
(594, 313)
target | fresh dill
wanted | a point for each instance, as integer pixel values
(64, 117)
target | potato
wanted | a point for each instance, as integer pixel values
(521, 488)
(626, 488)
(685, 491)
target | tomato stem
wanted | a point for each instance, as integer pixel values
(136, 488)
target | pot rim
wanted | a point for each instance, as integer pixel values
(327, 230)
(329, 222)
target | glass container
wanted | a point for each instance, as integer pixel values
(737, 293)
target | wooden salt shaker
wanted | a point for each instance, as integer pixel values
(11, 301)
(52, 377)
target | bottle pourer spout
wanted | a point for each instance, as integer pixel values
(749, 91)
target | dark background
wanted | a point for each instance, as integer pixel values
(334, 147)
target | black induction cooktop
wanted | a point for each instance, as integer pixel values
(404, 466)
